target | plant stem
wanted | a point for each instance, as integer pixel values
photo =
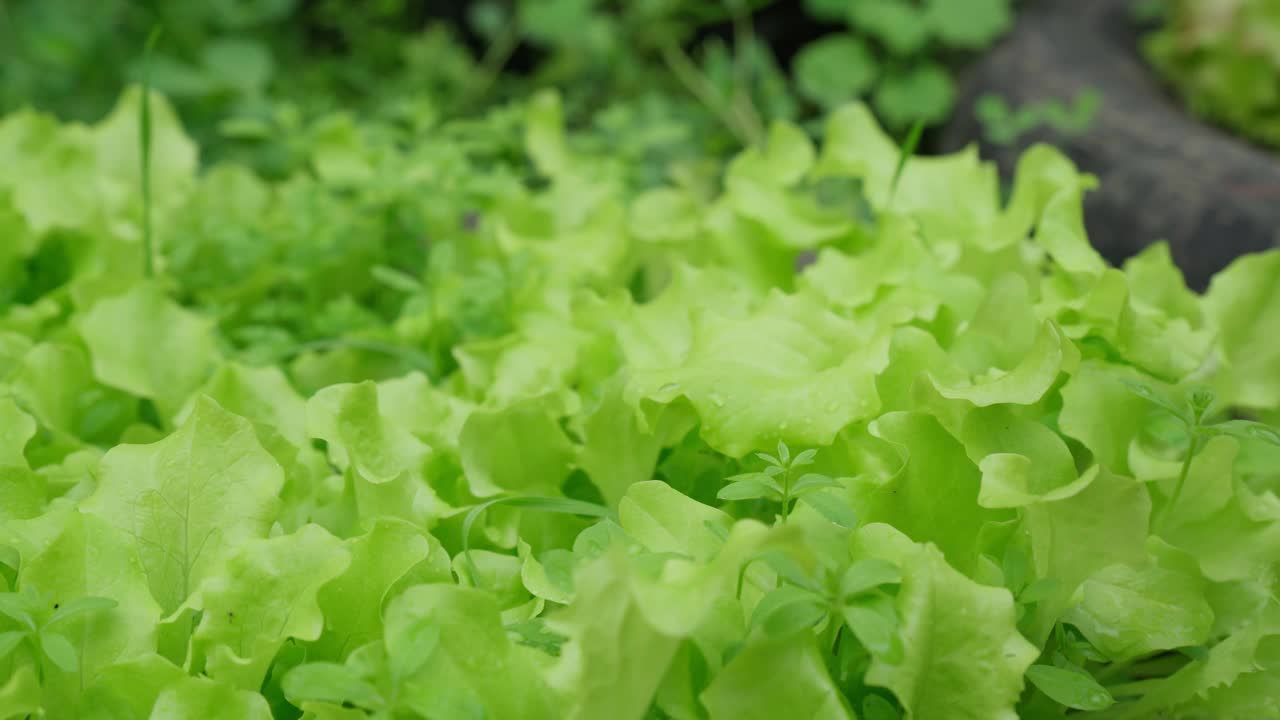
(1182, 478)
(1139, 687)
(1115, 669)
(688, 74)
(744, 42)
(495, 58)
(1160, 665)
(786, 495)
(907, 149)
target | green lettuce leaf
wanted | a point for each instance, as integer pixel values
(1242, 304)
(188, 501)
(474, 664)
(776, 679)
(146, 344)
(268, 588)
(944, 670)
(194, 697)
(750, 378)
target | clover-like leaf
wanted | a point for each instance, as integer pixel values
(10, 640)
(788, 569)
(813, 481)
(771, 460)
(1071, 687)
(831, 506)
(805, 457)
(59, 649)
(19, 608)
(874, 622)
(749, 489)
(972, 24)
(868, 574)
(923, 93)
(898, 24)
(835, 69)
(787, 610)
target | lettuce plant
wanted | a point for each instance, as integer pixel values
(1223, 58)
(456, 426)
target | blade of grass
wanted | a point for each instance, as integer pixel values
(687, 73)
(144, 129)
(906, 150)
(495, 59)
(744, 41)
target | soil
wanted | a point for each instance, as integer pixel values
(1165, 175)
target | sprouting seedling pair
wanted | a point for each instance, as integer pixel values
(782, 481)
(857, 597)
(40, 620)
(1005, 125)
(851, 609)
(1194, 410)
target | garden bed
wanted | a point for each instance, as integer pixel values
(1164, 174)
(449, 404)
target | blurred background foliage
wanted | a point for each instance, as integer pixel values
(1222, 57)
(686, 77)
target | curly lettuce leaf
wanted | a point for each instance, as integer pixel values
(146, 344)
(187, 502)
(944, 670)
